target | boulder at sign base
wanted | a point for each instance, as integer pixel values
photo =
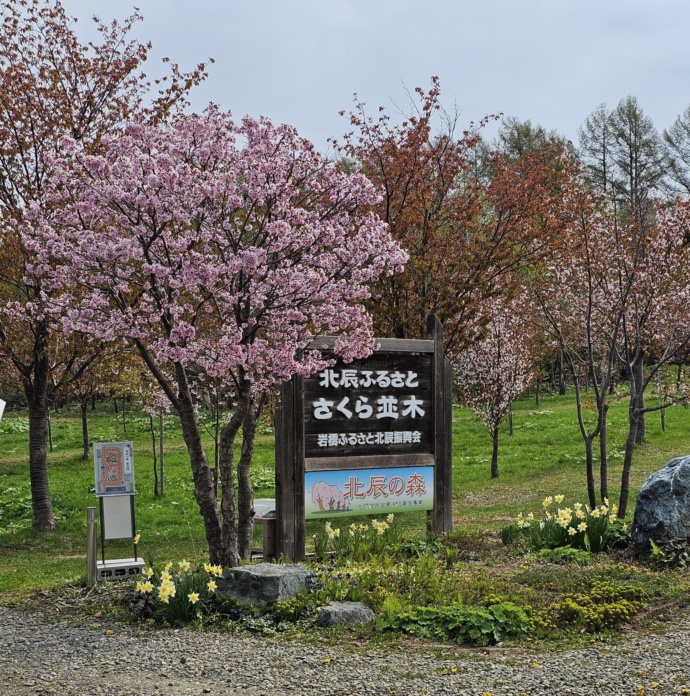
(263, 582)
(348, 613)
(662, 510)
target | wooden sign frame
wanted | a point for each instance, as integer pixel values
(292, 464)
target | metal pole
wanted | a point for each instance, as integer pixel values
(91, 520)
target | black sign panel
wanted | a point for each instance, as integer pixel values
(379, 405)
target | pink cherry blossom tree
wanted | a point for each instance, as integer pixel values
(496, 369)
(614, 293)
(220, 251)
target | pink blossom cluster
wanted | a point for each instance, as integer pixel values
(223, 247)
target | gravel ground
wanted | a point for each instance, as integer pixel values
(43, 656)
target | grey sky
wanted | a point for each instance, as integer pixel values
(300, 61)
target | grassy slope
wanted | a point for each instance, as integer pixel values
(543, 457)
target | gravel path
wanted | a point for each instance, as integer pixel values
(42, 656)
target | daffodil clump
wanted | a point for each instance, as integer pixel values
(358, 541)
(581, 527)
(176, 595)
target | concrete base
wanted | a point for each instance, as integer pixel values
(118, 569)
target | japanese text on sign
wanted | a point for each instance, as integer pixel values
(361, 491)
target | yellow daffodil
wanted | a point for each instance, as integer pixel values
(581, 527)
(148, 572)
(559, 499)
(595, 513)
(211, 584)
(390, 518)
(547, 501)
(184, 566)
(136, 538)
(193, 597)
(572, 531)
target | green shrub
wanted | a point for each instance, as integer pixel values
(15, 509)
(604, 606)
(510, 533)
(458, 622)
(12, 426)
(673, 554)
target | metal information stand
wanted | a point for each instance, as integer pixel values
(114, 472)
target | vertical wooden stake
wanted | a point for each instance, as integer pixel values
(441, 518)
(289, 429)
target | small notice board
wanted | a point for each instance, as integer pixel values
(114, 468)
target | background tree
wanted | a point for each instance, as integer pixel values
(499, 367)
(624, 156)
(463, 233)
(677, 139)
(516, 138)
(51, 85)
(583, 317)
(218, 250)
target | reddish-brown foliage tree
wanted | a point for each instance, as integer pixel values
(464, 234)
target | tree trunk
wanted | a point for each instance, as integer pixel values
(245, 492)
(536, 390)
(510, 419)
(589, 462)
(155, 458)
(161, 452)
(638, 376)
(627, 460)
(36, 398)
(49, 431)
(494, 451)
(662, 410)
(84, 405)
(603, 452)
(562, 386)
(227, 478)
(201, 473)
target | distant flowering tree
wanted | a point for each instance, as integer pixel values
(219, 250)
(616, 292)
(497, 368)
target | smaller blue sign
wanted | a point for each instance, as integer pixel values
(351, 492)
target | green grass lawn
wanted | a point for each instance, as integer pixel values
(545, 456)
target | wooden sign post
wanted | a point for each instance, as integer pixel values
(366, 437)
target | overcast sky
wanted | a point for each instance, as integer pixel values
(300, 61)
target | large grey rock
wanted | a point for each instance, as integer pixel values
(263, 582)
(662, 510)
(349, 613)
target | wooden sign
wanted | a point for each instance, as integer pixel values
(369, 436)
